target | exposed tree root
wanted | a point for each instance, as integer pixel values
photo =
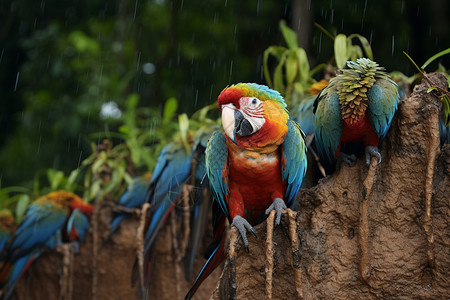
(269, 255)
(432, 152)
(185, 196)
(175, 253)
(140, 245)
(364, 231)
(296, 252)
(66, 284)
(95, 243)
(234, 238)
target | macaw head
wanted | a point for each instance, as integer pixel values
(253, 116)
(70, 200)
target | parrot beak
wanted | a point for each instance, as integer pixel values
(228, 120)
(242, 126)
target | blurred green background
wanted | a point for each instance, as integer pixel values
(71, 71)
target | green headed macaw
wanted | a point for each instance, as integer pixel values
(256, 166)
(357, 106)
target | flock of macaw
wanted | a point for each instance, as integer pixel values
(56, 218)
(256, 165)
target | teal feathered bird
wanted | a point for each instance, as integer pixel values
(357, 106)
(44, 226)
(133, 197)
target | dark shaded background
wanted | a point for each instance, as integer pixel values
(61, 60)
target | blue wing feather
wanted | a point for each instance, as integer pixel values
(40, 223)
(216, 158)
(294, 161)
(328, 124)
(383, 99)
(79, 222)
(303, 114)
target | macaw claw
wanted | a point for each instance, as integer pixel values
(372, 151)
(278, 205)
(242, 226)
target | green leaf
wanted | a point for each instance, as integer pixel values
(291, 67)
(21, 207)
(437, 55)
(303, 64)
(289, 35)
(276, 51)
(446, 110)
(278, 83)
(183, 122)
(170, 107)
(430, 89)
(340, 50)
(365, 44)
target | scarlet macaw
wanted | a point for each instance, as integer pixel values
(43, 226)
(357, 106)
(255, 167)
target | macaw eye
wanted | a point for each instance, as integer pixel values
(254, 101)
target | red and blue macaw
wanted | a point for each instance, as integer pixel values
(44, 225)
(255, 167)
(133, 197)
(357, 106)
(7, 228)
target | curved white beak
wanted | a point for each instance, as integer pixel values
(228, 120)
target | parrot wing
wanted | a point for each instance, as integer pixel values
(217, 169)
(303, 114)
(328, 124)
(383, 98)
(77, 225)
(294, 161)
(42, 220)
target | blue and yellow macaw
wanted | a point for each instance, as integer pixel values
(133, 197)
(43, 227)
(255, 167)
(357, 106)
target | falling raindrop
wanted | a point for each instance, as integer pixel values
(17, 81)
(363, 15)
(1, 55)
(231, 71)
(393, 42)
(79, 159)
(138, 61)
(135, 9)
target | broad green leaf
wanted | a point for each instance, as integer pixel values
(278, 83)
(170, 107)
(289, 35)
(299, 88)
(303, 64)
(340, 50)
(291, 67)
(276, 51)
(357, 52)
(21, 207)
(183, 122)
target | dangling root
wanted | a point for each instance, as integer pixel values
(234, 238)
(364, 231)
(173, 227)
(269, 255)
(433, 150)
(140, 245)
(186, 220)
(67, 272)
(296, 255)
